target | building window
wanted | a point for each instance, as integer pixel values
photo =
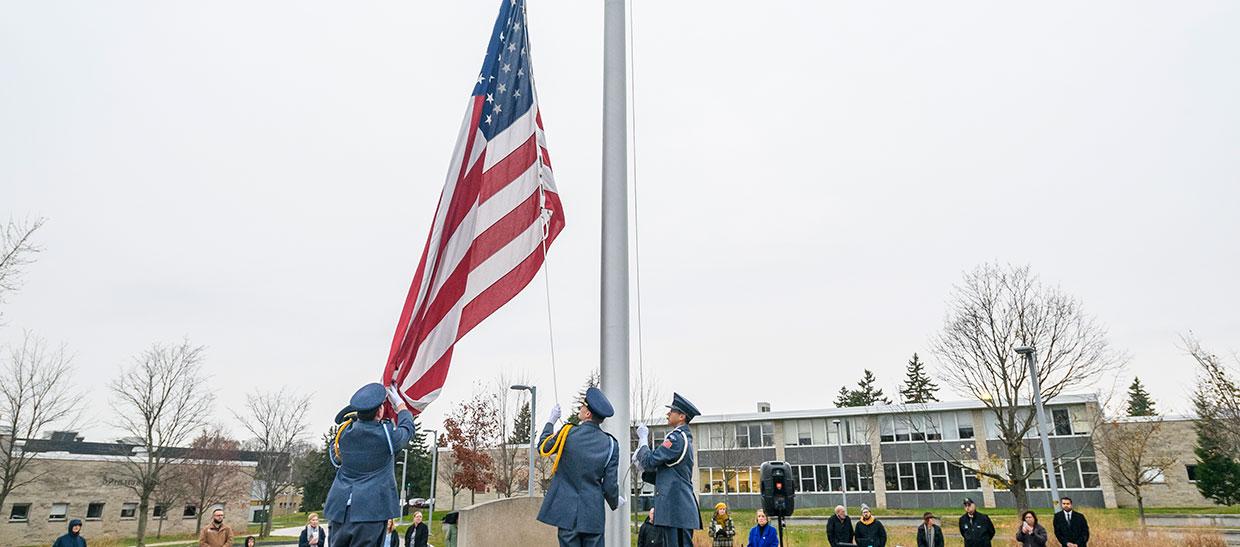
(160, 511)
(886, 430)
(1063, 421)
(964, 424)
(1153, 475)
(1192, 472)
(60, 511)
(189, 512)
(129, 510)
(1089, 473)
(94, 511)
(929, 476)
(20, 512)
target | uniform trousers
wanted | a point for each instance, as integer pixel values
(357, 534)
(571, 538)
(675, 537)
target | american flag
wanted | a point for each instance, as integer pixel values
(498, 214)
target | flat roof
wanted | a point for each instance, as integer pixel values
(875, 410)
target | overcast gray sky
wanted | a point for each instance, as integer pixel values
(814, 177)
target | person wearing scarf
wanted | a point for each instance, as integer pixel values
(721, 529)
(870, 532)
(929, 534)
(763, 535)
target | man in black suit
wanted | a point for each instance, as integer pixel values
(1071, 528)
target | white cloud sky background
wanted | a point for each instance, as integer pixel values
(814, 177)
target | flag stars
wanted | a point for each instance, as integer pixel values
(507, 67)
(516, 93)
(488, 120)
(491, 98)
(512, 47)
(503, 88)
(496, 109)
(520, 72)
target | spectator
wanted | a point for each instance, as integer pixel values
(216, 533)
(1071, 528)
(1030, 533)
(249, 541)
(929, 534)
(647, 536)
(763, 535)
(312, 535)
(391, 537)
(418, 534)
(869, 532)
(975, 527)
(840, 528)
(72, 538)
(721, 528)
(449, 528)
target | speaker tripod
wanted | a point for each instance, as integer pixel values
(781, 530)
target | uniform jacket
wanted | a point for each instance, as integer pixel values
(976, 531)
(585, 478)
(365, 483)
(1077, 532)
(672, 463)
(759, 536)
(839, 531)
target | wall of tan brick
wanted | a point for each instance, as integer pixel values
(80, 482)
(1175, 438)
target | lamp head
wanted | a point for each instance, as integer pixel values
(1023, 350)
(520, 387)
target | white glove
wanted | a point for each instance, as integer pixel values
(394, 397)
(555, 414)
(619, 504)
(643, 435)
(637, 461)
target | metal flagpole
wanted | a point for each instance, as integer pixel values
(614, 365)
(1048, 459)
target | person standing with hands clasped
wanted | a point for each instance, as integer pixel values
(671, 463)
(586, 460)
(840, 527)
(363, 495)
(929, 534)
(1030, 533)
(1071, 528)
(975, 527)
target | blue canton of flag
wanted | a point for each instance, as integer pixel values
(506, 71)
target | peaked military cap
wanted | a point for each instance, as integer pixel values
(369, 397)
(598, 403)
(683, 406)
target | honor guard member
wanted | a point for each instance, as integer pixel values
(363, 495)
(586, 460)
(671, 463)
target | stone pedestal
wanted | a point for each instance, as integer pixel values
(507, 521)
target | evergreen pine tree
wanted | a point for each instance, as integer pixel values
(866, 393)
(1218, 472)
(521, 426)
(918, 387)
(580, 399)
(844, 398)
(1139, 401)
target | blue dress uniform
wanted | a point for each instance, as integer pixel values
(363, 495)
(585, 477)
(676, 512)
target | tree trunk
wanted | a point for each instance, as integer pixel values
(1140, 509)
(159, 528)
(198, 523)
(144, 504)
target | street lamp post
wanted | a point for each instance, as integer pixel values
(434, 462)
(839, 447)
(404, 474)
(533, 432)
(1030, 354)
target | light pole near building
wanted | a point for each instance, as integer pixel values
(533, 432)
(430, 513)
(839, 447)
(404, 474)
(1048, 459)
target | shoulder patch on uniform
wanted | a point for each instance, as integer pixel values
(667, 443)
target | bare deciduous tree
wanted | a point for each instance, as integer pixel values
(995, 309)
(160, 401)
(1127, 444)
(277, 421)
(34, 395)
(212, 472)
(17, 249)
(511, 471)
(1219, 385)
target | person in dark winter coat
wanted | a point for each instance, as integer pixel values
(869, 531)
(1030, 533)
(418, 533)
(72, 538)
(975, 527)
(647, 536)
(929, 534)
(839, 527)
(1071, 528)
(763, 535)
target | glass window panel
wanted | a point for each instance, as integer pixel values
(1080, 420)
(835, 478)
(19, 512)
(94, 511)
(891, 476)
(934, 427)
(1191, 469)
(886, 429)
(755, 435)
(902, 433)
(955, 477)
(938, 475)
(742, 480)
(1063, 423)
(850, 474)
(907, 480)
(917, 427)
(867, 477)
(1071, 474)
(922, 471)
(716, 436)
(704, 478)
(820, 431)
(742, 436)
(807, 479)
(1037, 479)
(768, 434)
(860, 428)
(970, 480)
(59, 511)
(964, 424)
(822, 476)
(129, 510)
(791, 433)
(947, 426)
(1089, 473)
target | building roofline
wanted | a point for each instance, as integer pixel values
(873, 410)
